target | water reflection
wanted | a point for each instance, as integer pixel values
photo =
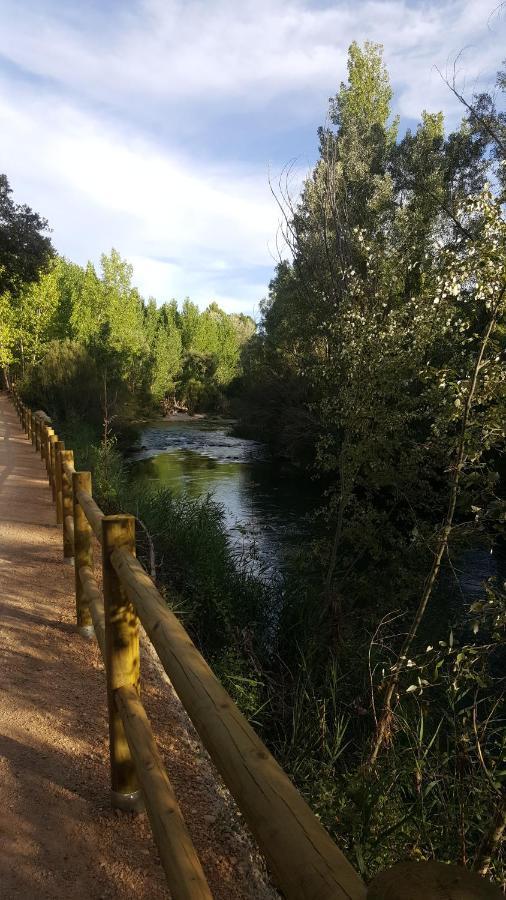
(265, 512)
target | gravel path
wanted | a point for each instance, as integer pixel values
(58, 834)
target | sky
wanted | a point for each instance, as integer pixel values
(154, 126)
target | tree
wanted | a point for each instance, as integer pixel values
(351, 320)
(8, 334)
(37, 310)
(189, 321)
(25, 247)
(335, 299)
(166, 354)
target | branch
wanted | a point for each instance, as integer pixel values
(480, 119)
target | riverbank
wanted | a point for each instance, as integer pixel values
(265, 513)
(270, 645)
(54, 740)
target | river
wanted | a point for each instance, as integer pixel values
(266, 512)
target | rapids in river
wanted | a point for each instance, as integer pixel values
(266, 512)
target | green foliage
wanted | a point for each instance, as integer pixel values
(142, 356)
(8, 331)
(25, 247)
(379, 368)
(198, 572)
(365, 101)
(385, 294)
(109, 475)
(166, 346)
(65, 383)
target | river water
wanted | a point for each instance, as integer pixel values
(266, 512)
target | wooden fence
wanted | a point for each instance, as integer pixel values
(304, 861)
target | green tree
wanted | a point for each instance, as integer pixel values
(38, 307)
(8, 334)
(189, 323)
(349, 330)
(216, 336)
(167, 354)
(25, 247)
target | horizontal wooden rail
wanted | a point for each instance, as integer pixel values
(305, 862)
(304, 859)
(68, 468)
(94, 600)
(93, 513)
(69, 526)
(75, 509)
(182, 867)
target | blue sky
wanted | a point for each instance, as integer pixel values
(152, 125)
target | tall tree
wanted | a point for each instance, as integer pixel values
(25, 246)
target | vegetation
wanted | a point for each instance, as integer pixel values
(378, 368)
(70, 327)
(385, 334)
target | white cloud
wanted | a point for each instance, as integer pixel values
(164, 281)
(99, 189)
(156, 51)
(106, 112)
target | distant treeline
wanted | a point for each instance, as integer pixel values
(87, 344)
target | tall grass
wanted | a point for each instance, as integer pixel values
(430, 795)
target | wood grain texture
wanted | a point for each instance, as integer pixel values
(83, 553)
(52, 479)
(68, 466)
(67, 460)
(47, 455)
(95, 603)
(121, 647)
(179, 859)
(59, 447)
(93, 513)
(305, 862)
(431, 881)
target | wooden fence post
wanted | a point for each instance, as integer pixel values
(37, 433)
(29, 424)
(43, 429)
(51, 460)
(83, 553)
(59, 448)
(122, 659)
(431, 881)
(67, 456)
(33, 423)
(47, 452)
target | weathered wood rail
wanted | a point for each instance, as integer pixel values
(304, 861)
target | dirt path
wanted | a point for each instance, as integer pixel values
(58, 834)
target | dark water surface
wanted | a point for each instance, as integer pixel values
(265, 511)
